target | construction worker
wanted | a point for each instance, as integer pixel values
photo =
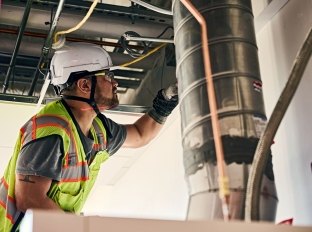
(59, 151)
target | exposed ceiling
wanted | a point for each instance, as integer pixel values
(108, 22)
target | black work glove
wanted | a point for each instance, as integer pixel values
(163, 104)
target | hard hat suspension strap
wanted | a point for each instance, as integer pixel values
(91, 100)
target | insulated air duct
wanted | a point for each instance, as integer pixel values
(237, 83)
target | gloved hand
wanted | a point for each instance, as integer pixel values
(171, 92)
(163, 104)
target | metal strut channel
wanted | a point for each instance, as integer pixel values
(46, 47)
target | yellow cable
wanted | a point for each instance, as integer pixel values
(79, 24)
(142, 57)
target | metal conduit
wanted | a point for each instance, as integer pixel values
(17, 45)
(240, 107)
(46, 47)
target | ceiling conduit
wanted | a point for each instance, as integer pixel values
(240, 107)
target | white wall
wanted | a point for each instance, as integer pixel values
(12, 117)
(146, 182)
(278, 44)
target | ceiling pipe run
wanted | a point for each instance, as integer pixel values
(31, 46)
(70, 39)
(105, 25)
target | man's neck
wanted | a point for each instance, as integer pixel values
(83, 113)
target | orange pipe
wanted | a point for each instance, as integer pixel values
(213, 108)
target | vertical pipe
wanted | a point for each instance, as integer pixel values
(239, 102)
(17, 45)
(223, 179)
(46, 47)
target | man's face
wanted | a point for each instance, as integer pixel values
(106, 90)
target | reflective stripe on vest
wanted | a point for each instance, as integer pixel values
(100, 139)
(8, 202)
(45, 121)
(73, 170)
(76, 173)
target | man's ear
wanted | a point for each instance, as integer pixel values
(84, 85)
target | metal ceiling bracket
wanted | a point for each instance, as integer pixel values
(149, 39)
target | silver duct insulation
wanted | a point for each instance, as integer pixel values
(237, 83)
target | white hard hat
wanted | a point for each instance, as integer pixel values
(77, 57)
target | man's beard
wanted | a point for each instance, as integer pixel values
(107, 103)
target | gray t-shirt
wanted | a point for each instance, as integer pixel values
(43, 157)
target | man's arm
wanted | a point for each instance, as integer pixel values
(148, 126)
(31, 192)
(38, 163)
(142, 131)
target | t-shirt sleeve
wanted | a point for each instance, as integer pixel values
(42, 157)
(116, 136)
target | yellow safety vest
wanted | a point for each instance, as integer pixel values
(77, 176)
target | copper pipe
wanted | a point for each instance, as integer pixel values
(71, 39)
(224, 190)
